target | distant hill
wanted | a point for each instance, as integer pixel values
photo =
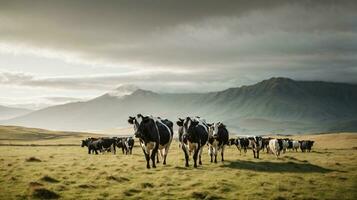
(277, 105)
(11, 112)
(19, 134)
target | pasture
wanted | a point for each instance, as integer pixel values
(68, 172)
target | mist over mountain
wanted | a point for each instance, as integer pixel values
(278, 105)
(11, 112)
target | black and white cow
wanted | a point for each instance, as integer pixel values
(306, 145)
(265, 142)
(193, 136)
(120, 143)
(242, 144)
(99, 144)
(93, 145)
(128, 145)
(232, 141)
(108, 144)
(164, 150)
(218, 138)
(153, 135)
(256, 144)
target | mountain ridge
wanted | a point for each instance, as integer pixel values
(299, 106)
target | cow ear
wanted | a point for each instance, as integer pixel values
(131, 120)
(146, 119)
(179, 123)
(180, 119)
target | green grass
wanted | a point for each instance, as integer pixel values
(71, 173)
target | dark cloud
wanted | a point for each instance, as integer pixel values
(217, 43)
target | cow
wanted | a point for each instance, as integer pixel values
(107, 144)
(242, 143)
(285, 145)
(256, 144)
(296, 145)
(265, 143)
(290, 144)
(305, 145)
(274, 147)
(128, 145)
(218, 138)
(232, 141)
(94, 145)
(193, 136)
(120, 143)
(164, 151)
(153, 135)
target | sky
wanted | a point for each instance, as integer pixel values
(53, 52)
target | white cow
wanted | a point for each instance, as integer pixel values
(274, 147)
(296, 145)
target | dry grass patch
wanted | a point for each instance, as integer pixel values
(33, 159)
(49, 179)
(43, 193)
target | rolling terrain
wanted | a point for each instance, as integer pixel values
(68, 172)
(277, 105)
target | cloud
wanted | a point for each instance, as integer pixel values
(181, 46)
(159, 81)
(181, 34)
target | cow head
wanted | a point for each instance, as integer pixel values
(143, 125)
(210, 129)
(135, 121)
(217, 127)
(84, 143)
(188, 126)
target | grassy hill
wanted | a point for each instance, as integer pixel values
(25, 135)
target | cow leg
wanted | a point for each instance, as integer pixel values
(200, 156)
(157, 158)
(114, 150)
(222, 153)
(165, 153)
(258, 154)
(195, 159)
(215, 149)
(186, 154)
(154, 152)
(254, 153)
(195, 155)
(122, 149)
(210, 152)
(89, 150)
(95, 150)
(147, 157)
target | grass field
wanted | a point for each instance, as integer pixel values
(68, 172)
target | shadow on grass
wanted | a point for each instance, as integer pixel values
(275, 166)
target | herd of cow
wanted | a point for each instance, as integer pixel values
(156, 134)
(104, 144)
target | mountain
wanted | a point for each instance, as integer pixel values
(278, 105)
(11, 112)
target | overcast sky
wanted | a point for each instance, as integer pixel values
(58, 51)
